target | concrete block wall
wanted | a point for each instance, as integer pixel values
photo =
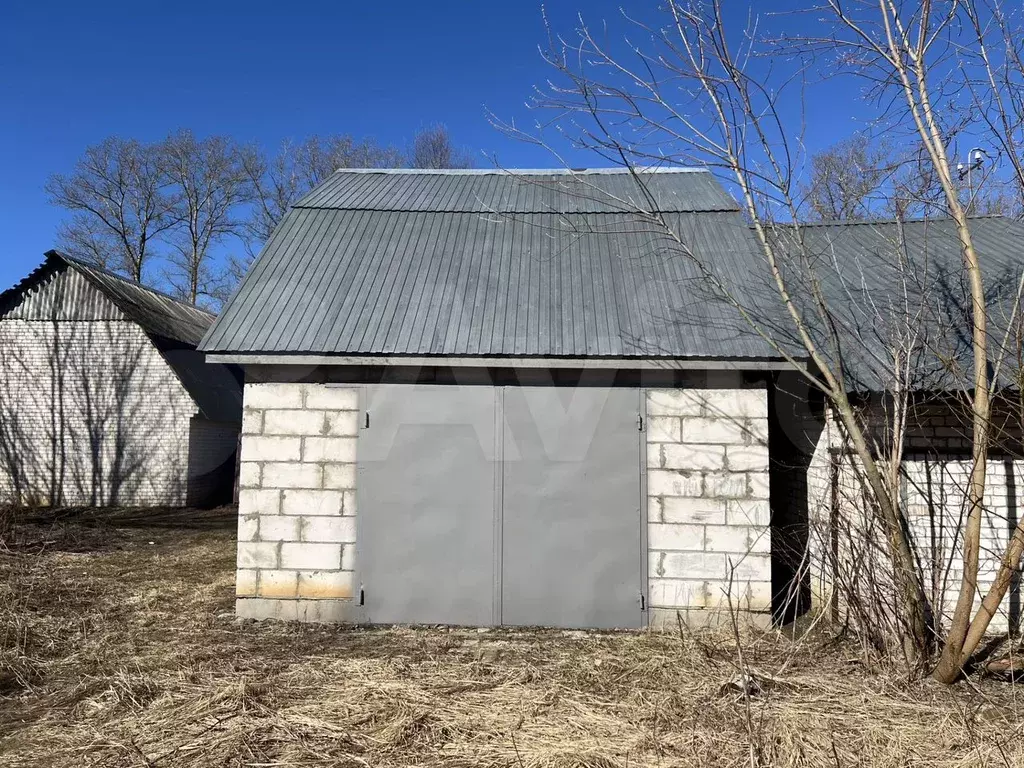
(297, 503)
(935, 494)
(708, 513)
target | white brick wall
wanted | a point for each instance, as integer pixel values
(90, 414)
(932, 492)
(708, 527)
(296, 524)
(707, 485)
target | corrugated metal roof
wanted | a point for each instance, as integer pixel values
(890, 283)
(65, 289)
(54, 292)
(157, 313)
(474, 191)
(445, 283)
(483, 264)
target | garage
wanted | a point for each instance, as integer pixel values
(505, 505)
(496, 399)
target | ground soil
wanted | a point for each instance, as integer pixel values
(118, 647)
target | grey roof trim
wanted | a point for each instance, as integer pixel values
(645, 363)
(520, 171)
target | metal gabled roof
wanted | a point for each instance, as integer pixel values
(493, 264)
(901, 284)
(157, 313)
(453, 284)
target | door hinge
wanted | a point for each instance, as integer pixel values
(362, 596)
(640, 422)
(643, 602)
(367, 426)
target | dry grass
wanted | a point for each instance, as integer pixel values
(118, 649)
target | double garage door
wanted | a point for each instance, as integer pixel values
(500, 505)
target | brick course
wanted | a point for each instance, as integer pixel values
(297, 505)
(707, 485)
(933, 484)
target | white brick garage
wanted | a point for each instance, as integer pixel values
(659, 507)
(506, 284)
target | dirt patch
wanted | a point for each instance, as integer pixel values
(119, 648)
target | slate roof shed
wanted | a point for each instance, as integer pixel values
(104, 398)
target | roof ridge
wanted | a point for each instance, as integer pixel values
(623, 212)
(524, 171)
(870, 222)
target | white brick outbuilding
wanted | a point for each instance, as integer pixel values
(518, 398)
(454, 418)
(103, 397)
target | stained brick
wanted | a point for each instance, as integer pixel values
(277, 583)
(663, 482)
(340, 476)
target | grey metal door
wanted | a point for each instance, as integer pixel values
(426, 505)
(571, 518)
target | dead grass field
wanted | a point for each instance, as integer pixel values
(119, 649)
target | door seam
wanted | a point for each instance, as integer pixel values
(498, 502)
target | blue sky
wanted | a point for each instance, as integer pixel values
(72, 73)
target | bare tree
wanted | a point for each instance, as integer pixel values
(280, 180)
(432, 147)
(991, 65)
(690, 95)
(846, 180)
(858, 180)
(906, 51)
(208, 185)
(118, 195)
(229, 277)
(297, 168)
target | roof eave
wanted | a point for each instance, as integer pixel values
(473, 361)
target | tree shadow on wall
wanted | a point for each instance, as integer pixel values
(87, 415)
